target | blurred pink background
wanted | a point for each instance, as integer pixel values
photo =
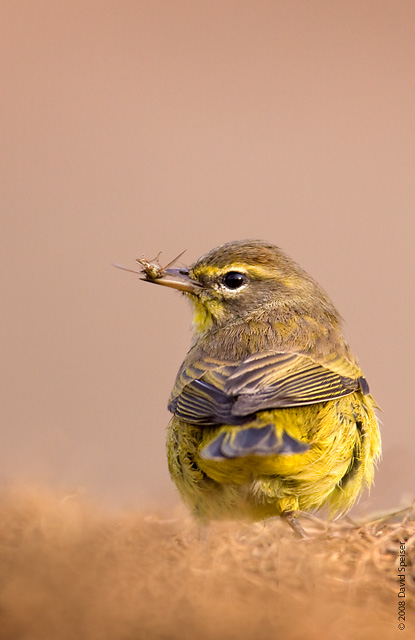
(134, 127)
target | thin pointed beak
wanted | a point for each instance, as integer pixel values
(177, 279)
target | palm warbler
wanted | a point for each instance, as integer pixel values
(271, 412)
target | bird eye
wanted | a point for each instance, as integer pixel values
(234, 279)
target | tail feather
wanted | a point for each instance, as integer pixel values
(263, 441)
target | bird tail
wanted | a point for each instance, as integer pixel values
(238, 442)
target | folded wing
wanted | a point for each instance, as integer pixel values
(210, 391)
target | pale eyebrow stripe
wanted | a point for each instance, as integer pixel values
(253, 270)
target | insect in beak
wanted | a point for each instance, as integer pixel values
(174, 278)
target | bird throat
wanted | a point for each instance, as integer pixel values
(206, 314)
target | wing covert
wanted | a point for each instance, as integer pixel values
(211, 391)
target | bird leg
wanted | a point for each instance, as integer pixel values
(291, 518)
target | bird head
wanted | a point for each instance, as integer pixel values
(242, 279)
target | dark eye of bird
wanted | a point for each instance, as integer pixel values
(233, 279)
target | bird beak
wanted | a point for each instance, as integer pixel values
(176, 279)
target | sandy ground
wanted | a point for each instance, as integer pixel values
(70, 571)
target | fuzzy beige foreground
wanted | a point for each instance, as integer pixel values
(69, 571)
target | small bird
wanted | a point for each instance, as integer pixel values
(271, 413)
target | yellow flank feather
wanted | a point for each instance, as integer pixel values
(271, 412)
(331, 473)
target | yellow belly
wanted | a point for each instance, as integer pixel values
(344, 446)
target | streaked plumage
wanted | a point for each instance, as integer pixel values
(272, 414)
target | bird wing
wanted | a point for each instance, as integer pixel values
(210, 391)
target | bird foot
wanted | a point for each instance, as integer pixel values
(291, 518)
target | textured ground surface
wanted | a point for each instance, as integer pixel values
(69, 571)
